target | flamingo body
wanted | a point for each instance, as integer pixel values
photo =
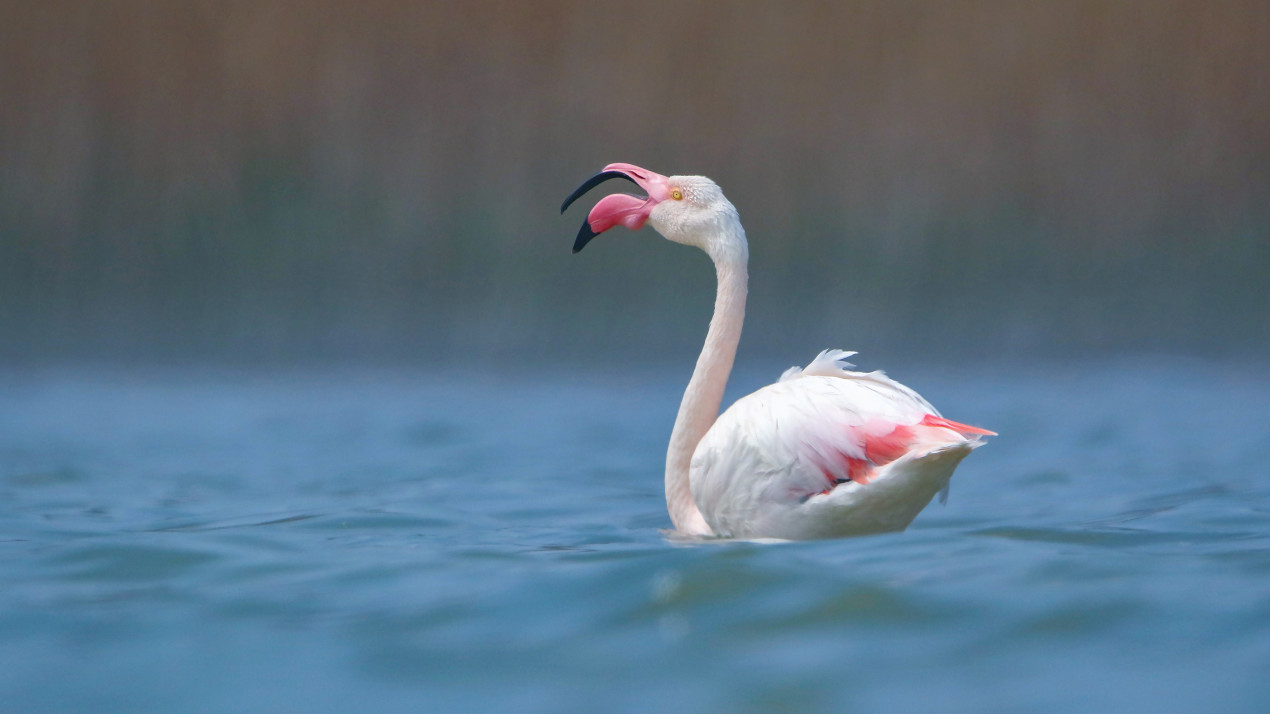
(825, 452)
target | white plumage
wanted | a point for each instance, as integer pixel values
(763, 468)
(824, 452)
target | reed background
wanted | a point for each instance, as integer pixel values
(275, 183)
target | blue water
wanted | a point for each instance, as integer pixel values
(342, 540)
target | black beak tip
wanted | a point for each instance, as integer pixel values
(591, 183)
(585, 234)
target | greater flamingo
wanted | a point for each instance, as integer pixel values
(824, 452)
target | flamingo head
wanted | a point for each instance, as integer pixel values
(685, 209)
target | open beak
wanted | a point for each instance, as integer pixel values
(620, 208)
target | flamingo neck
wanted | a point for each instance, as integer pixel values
(701, 400)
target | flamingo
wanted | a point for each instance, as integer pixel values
(824, 452)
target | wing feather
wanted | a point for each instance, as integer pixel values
(793, 439)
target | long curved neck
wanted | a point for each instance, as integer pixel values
(701, 400)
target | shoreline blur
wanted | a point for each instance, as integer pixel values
(375, 182)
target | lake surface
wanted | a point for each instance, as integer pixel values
(341, 540)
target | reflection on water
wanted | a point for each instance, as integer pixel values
(340, 541)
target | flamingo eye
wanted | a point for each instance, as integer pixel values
(677, 194)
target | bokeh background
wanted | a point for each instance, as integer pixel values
(276, 182)
(306, 405)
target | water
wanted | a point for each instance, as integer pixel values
(335, 541)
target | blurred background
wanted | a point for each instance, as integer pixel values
(271, 183)
(305, 403)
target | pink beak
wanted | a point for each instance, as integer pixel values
(620, 208)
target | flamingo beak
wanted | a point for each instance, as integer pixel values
(620, 208)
